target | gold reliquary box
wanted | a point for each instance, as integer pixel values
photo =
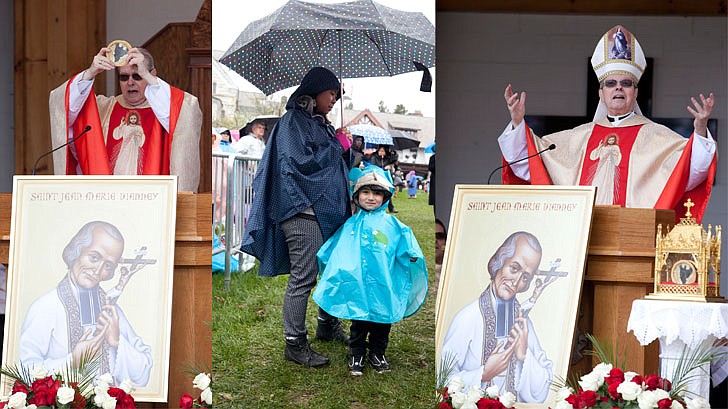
(687, 262)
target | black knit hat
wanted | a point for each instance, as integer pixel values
(317, 80)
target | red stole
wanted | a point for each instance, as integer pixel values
(93, 155)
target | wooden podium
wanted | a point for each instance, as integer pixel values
(620, 269)
(191, 338)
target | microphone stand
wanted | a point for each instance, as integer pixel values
(86, 129)
(549, 148)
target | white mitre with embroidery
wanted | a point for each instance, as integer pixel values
(617, 52)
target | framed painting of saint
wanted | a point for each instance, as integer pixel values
(510, 286)
(90, 272)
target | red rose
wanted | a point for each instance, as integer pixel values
(665, 384)
(485, 403)
(186, 402)
(19, 386)
(613, 390)
(3, 404)
(638, 379)
(583, 400)
(652, 382)
(123, 400)
(615, 376)
(664, 403)
(44, 391)
(589, 398)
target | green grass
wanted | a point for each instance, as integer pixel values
(249, 370)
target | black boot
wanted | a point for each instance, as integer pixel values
(299, 351)
(330, 330)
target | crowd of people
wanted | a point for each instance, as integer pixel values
(250, 145)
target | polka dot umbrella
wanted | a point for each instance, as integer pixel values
(373, 135)
(354, 39)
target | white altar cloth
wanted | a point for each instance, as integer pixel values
(678, 324)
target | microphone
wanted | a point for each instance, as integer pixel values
(75, 138)
(549, 148)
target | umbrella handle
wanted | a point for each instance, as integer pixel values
(341, 80)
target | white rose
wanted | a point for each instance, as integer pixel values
(65, 395)
(591, 381)
(458, 399)
(676, 405)
(508, 399)
(127, 386)
(649, 399)
(106, 378)
(109, 403)
(629, 390)
(32, 406)
(563, 393)
(17, 400)
(492, 391)
(474, 393)
(602, 369)
(469, 405)
(39, 372)
(201, 381)
(100, 398)
(455, 385)
(562, 404)
(206, 396)
(628, 376)
(697, 403)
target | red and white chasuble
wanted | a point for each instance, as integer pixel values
(126, 140)
(637, 164)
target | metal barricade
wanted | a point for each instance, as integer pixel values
(232, 193)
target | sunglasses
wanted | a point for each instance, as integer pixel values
(623, 83)
(125, 77)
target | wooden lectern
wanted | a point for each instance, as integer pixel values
(620, 269)
(191, 340)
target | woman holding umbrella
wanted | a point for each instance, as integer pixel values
(301, 198)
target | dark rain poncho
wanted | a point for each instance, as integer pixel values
(302, 167)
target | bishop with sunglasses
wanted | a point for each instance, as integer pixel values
(633, 161)
(166, 121)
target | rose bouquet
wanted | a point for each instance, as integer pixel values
(38, 389)
(608, 386)
(203, 382)
(456, 396)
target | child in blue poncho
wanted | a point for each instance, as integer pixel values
(372, 271)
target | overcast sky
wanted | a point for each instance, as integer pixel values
(230, 17)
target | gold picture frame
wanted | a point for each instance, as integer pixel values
(492, 231)
(118, 52)
(73, 241)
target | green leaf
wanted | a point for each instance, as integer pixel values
(380, 237)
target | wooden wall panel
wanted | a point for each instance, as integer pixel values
(168, 48)
(53, 40)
